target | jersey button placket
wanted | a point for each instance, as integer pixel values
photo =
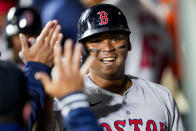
(124, 105)
(128, 112)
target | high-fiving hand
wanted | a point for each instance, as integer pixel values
(42, 49)
(68, 77)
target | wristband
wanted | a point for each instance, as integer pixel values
(73, 101)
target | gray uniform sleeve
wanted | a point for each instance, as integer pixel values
(176, 120)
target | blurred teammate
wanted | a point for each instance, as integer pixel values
(21, 20)
(14, 107)
(5, 5)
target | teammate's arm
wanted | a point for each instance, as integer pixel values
(67, 85)
(39, 57)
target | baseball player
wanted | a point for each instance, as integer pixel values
(21, 20)
(154, 56)
(120, 101)
(13, 98)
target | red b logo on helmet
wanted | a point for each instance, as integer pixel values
(103, 17)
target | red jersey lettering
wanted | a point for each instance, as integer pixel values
(135, 122)
(105, 125)
(148, 126)
(117, 125)
(163, 126)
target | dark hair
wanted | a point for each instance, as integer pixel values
(25, 20)
(13, 89)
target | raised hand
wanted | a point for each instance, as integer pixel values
(68, 76)
(42, 49)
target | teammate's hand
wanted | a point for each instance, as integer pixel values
(42, 49)
(68, 76)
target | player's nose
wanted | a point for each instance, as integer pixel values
(106, 45)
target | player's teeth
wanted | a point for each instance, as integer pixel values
(106, 62)
(106, 59)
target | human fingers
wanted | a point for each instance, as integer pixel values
(77, 57)
(59, 39)
(45, 31)
(23, 42)
(55, 35)
(57, 58)
(85, 67)
(68, 51)
(50, 33)
(45, 79)
(31, 41)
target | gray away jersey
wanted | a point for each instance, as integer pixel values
(145, 106)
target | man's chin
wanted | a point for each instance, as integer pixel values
(111, 75)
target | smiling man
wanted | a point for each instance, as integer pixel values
(120, 101)
(111, 60)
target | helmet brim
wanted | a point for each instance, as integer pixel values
(91, 32)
